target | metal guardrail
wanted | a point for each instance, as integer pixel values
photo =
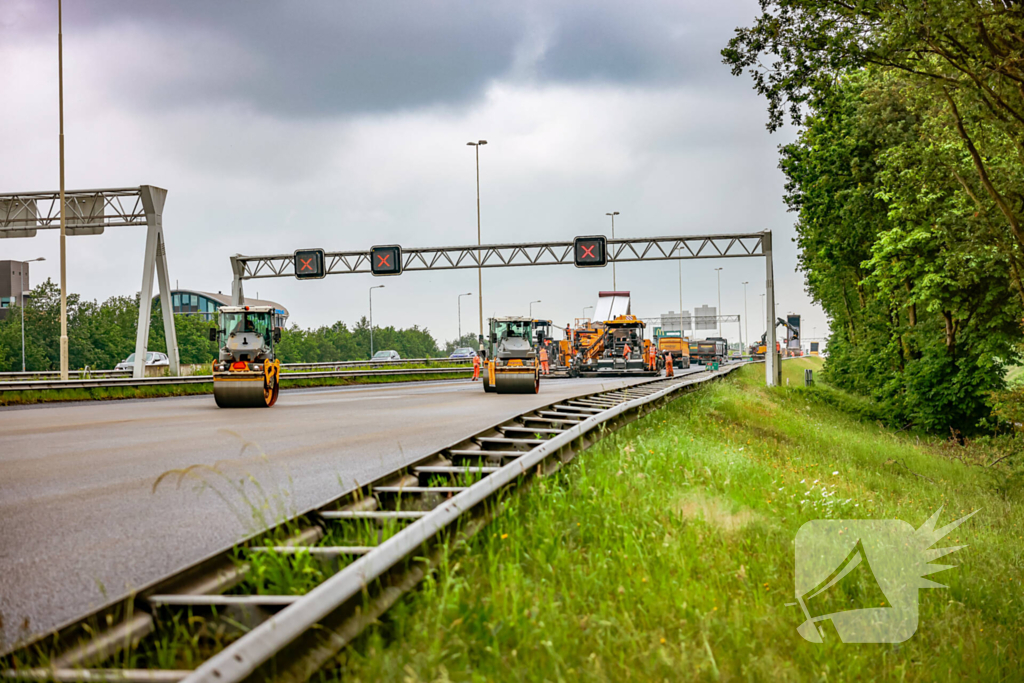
(45, 385)
(311, 629)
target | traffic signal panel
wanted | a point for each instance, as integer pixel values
(589, 252)
(386, 260)
(309, 264)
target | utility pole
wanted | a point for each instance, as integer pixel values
(21, 303)
(460, 313)
(585, 310)
(719, 301)
(63, 228)
(538, 301)
(746, 328)
(613, 214)
(479, 256)
(371, 317)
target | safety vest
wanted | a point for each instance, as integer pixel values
(543, 355)
(476, 361)
(625, 351)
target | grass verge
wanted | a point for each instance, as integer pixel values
(666, 553)
(288, 381)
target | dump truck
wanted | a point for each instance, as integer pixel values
(511, 366)
(707, 351)
(246, 373)
(679, 347)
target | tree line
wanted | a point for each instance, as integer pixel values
(100, 335)
(907, 179)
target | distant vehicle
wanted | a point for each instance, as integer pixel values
(153, 359)
(386, 355)
(708, 351)
(463, 352)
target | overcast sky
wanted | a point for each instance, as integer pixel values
(283, 125)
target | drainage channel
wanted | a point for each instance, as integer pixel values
(369, 546)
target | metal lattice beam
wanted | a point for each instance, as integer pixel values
(511, 255)
(89, 212)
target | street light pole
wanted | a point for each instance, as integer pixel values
(21, 303)
(719, 301)
(538, 301)
(63, 228)
(613, 214)
(460, 313)
(479, 257)
(746, 328)
(681, 332)
(371, 317)
(585, 310)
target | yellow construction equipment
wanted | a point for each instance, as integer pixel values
(618, 348)
(679, 347)
(247, 373)
(511, 366)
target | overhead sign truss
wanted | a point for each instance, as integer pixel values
(509, 255)
(621, 250)
(89, 212)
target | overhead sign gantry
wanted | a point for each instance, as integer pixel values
(90, 212)
(590, 251)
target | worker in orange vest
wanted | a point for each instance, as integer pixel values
(626, 351)
(544, 360)
(669, 370)
(476, 367)
(652, 357)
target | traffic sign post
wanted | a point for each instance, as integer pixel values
(590, 252)
(309, 264)
(386, 260)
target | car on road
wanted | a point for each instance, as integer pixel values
(386, 355)
(463, 352)
(153, 359)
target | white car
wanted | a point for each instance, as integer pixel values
(386, 355)
(153, 359)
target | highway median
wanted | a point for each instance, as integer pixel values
(10, 395)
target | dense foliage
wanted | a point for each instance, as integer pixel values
(100, 335)
(907, 178)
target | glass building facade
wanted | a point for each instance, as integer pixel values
(207, 304)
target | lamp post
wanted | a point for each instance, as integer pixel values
(22, 304)
(479, 256)
(63, 228)
(460, 313)
(371, 317)
(746, 328)
(585, 310)
(719, 270)
(681, 332)
(613, 214)
(538, 301)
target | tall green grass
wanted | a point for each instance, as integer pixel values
(666, 553)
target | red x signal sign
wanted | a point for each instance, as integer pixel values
(386, 260)
(590, 252)
(309, 264)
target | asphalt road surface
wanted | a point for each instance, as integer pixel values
(86, 515)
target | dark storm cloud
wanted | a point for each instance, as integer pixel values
(319, 58)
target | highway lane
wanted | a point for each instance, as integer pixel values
(100, 498)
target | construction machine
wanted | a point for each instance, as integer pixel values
(511, 366)
(710, 350)
(246, 373)
(678, 346)
(607, 352)
(559, 352)
(757, 351)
